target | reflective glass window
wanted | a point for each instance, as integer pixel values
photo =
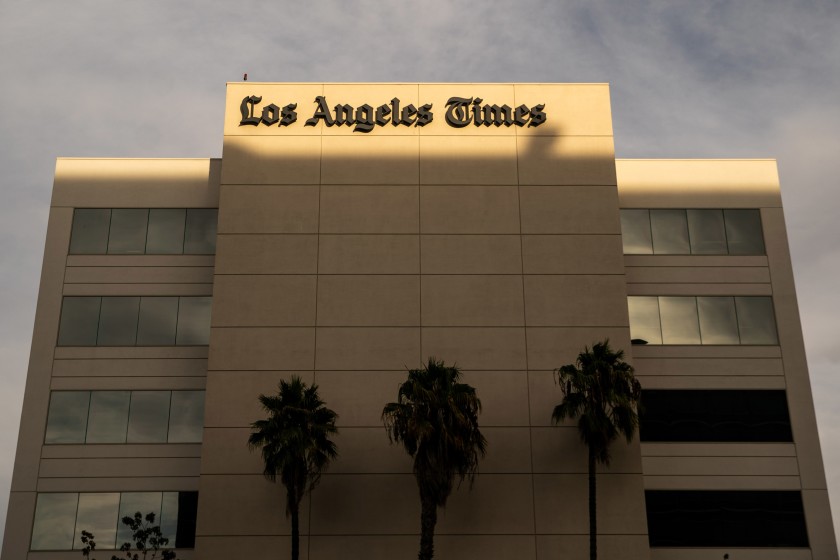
(89, 235)
(134, 502)
(97, 514)
(200, 237)
(108, 419)
(118, 321)
(166, 231)
(194, 321)
(79, 321)
(168, 519)
(743, 231)
(718, 321)
(706, 232)
(644, 320)
(68, 415)
(756, 320)
(725, 518)
(128, 231)
(55, 522)
(635, 232)
(186, 417)
(148, 419)
(679, 320)
(670, 232)
(158, 321)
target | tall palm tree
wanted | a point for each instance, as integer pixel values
(600, 391)
(436, 420)
(295, 443)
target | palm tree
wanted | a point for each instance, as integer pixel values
(436, 420)
(600, 391)
(295, 443)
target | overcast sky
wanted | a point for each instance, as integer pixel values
(688, 79)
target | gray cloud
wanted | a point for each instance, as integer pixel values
(754, 78)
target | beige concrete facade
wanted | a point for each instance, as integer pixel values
(345, 257)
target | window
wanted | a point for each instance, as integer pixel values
(60, 518)
(718, 518)
(692, 231)
(144, 231)
(134, 321)
(125, 417)
(714, 416)
(702, 320)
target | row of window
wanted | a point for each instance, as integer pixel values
(702, 320)
(692, 232)
(139, 231)
(134, 321)
(714, 416)
(726, 518)
(125, 417)
(60, 518)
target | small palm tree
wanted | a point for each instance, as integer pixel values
(600, 391)
(295, 443)
(436, 420)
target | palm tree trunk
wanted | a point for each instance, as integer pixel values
(428, 519)
(294, 510)
(593, 521)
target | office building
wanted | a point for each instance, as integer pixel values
(351, 231)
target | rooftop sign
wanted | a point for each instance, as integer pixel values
(460, 112)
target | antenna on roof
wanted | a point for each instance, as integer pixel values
(245, 77)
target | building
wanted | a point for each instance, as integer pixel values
(365, 227)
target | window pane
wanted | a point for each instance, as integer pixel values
(166, 231)
(128, 231)
(186, 417)
(108, 417)
(706, 232)
(148, 419)
(118, 321)
(718, 322)
(714, 416)
(743, 232)
(644, 320)
(679, 320)
(68, 416)
(158, 321)
(635, 232)
(725, 518)
(169, 517)
(194, 320)
(55, 522)
(187, 510)
(97, 515)
(200, 238)
(756, 320)
(670, 232)
(133, 502)
(79, 321)
(90, 231)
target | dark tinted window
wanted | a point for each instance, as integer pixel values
(55, 521)
(714, 415)
(194, 321)
(186, 416)
(158, 321)
(743, 232)
(187, 511)
(128, 231)
(706, 231)
(90, 231)
(670, 232)
(118, 321)
(148, 420)
(108, 417)
(635, 231)
(67, 419)
(756, 320)
(725, 519)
